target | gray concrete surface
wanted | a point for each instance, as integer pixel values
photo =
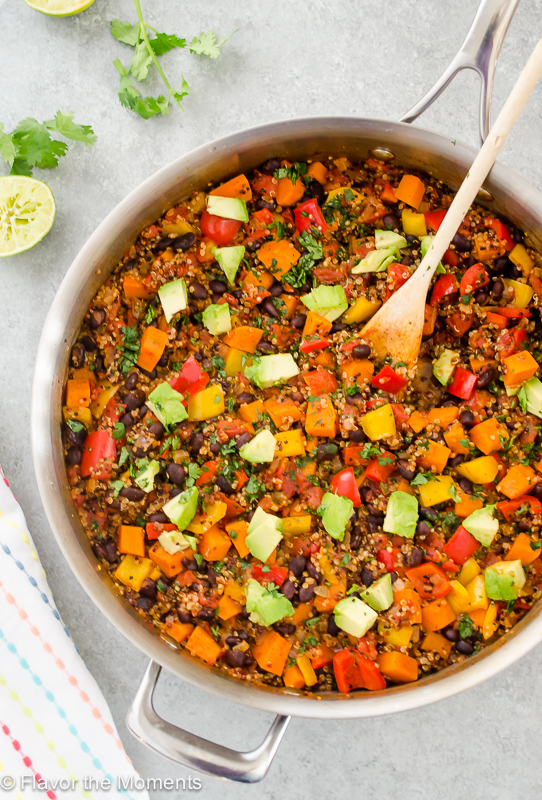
(290, 58)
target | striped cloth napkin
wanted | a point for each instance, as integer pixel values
(55, 726)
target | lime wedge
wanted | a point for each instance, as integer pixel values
(59, 8)
(27, 213)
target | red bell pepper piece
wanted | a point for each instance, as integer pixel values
(307, 215)
(387, 195)
(380, 472)
(389, 380)
(401, 416)
(450, 258)
(461, 546)
(344, 484)
(514, 313)
(156, 529)
(501, 230)
(463, 383)
(508, 508)
(474, 278)
(208, 472)
(429, 580)
(387, 558)
(520, 334)
(446, 284)
(98, 455)
(191, 379)
(434, 219)
(370, 674)
(263, 216)
(313, 343)
(269, 574)
(347, 673)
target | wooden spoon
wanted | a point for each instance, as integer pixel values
(396, 329)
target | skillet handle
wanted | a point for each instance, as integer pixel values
(192, 751)
(479, 52)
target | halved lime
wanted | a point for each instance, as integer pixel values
(27, 213)
(59, 8)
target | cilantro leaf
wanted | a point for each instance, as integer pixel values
(164, 42)
(65, 126)
(125, 32)
(140, 63)
(74, 426)
(465, 627)
(206, 44)
(7, 148)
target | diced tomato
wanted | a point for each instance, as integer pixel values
(307, 215)
(264, 186)
(155, 529)
(344, 484)
(429, 580)
(474, 278)
(446, 285)
(401, 416)
(503, 234)
(205, 250)
(463, 383)
(387, 558)
(380, 472)
(389, 380)
(269, 574)
(461, 546)
(459, 323)
(221, 231)
(312, 343)
(398, 275)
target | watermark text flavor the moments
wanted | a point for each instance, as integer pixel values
(90, 783)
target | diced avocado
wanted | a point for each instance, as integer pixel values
(263, 539)
(379, 595)
(354, 616)
(260, 449)
(272, 370)
(385, 239)
(328, 301)
(260, 516)
(182, 509)
(145, 477)
(267, 605)
(216, 318)
(504, 579)
(227, 207)
(530, 397)
(229, 259)
(174, 297)
(376, 261)
(167, 404)
(335, 511)
(173, 541)
(401, 515)
(444, 366)
(482, 525)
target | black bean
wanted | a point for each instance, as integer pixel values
(485, 377)
(184, 616)
(466, 418)
(150, 374)
(524, 525)
(326, 451)
(268, 307)
(196, 443)
(275, 289)
(132, 493)
(481, 297)
(407, 261)
(357, 436)
(260, 204)
(332, 627)
(415, 557)
(97, 318)
(231, 641)
(501, 265)
(497, 289)
(78, 355)
(428, 513)
(244, 438)
(252, 245)
(215, 448)
(285, 629)
(245, 397)
(106, 550)
(405, 471)
(297, 565)
(199, 291)
(99, 365)
(145, 603)
(361, 351)
(270, 166)
(174, 492)
(306, 593)
(536, 491)
(190, 563)
(217, 287)
(355, 539)
(372, 525)
(412, 239)
(162, 245)
(131, 381)
(134, 399)
(157, 430)
(159, 516)
(338, 326)
(518, 236)
(74, 455)
(206, 614)
(465, 485)
(148, 588)
(456, 460)
(90, 343)
(422, 528)
(450, 633)
(366, 576)
(391, 221)
(211, 576)
(288, 589)
(267, 347)
(127, 420)
(176, 473)
(184, 242)
(224, 485)
(235, 658)
(77, 437)
(164, 358)
(514, 271)
(298, 321)
(313, 572)
(461, 243)
(465, 648)
(317, 190)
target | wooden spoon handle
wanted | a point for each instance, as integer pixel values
(482, 164)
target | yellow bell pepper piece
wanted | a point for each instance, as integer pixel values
(341, 190)
(490, 621)
(304, 664)
(179, 227)
(380, 423)
(399, 637)
(477, 593)
(458, 597)
(213, 514)
(362, 310)
(413, 223)
(206, 404)
(155, 574)
(98, 406)
(521, 258)
(290, 443)
(327, 571)
(235, 591)
(301, 524)
(132, 571)
(235, 362)
(436, 491)
(522, 292)
(469, 572)
(81, 414)
(479, 470)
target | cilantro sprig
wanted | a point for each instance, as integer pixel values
(147, 50)
(30, 144)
